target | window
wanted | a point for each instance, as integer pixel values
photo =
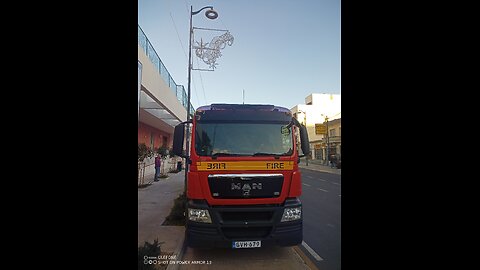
(243, 139)
(318, 151)
(165, 141)
(332, 132)
(152, 140)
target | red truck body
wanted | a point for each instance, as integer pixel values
(240, 195)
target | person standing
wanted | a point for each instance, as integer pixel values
(333, 161)
(158, 163)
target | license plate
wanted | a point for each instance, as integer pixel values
(246, 244)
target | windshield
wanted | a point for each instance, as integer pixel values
(253, 139)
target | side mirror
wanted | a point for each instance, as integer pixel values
(178, 140)
(305, 143)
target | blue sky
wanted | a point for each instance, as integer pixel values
(282, 50)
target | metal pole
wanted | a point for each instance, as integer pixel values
(188, 99)
(328, 144)
(211, 15)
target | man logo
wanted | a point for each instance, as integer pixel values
(257, 186)
(246, 187)
(246, 190)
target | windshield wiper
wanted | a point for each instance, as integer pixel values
(221, 154)
(267, 154)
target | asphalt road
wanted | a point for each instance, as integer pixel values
(321, 199)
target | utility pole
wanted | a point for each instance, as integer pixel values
(209, 55)
(212, 15)
(328, 143)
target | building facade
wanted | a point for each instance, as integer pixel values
(333, 141)
(321, 109)
(162, 104)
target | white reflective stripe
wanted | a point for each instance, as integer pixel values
(311, 251)
(247, 175)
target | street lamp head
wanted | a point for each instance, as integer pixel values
(211, 14)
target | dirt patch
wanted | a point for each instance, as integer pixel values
(177, 214)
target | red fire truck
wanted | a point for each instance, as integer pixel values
(243, 181)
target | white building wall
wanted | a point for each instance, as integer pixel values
(155, 84)
(316, 107)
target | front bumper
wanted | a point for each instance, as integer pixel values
(244, 223)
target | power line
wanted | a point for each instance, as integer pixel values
(201, 82)
(221, 21)
(196, 92)
(184, 53)
(186, 6)
(201, 78)
(179, 39)
(198, 64)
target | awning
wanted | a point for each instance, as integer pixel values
(156, 109)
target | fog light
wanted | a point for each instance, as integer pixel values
(290, 214)
(199, 215)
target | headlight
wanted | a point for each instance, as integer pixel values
(199, 215)
(290, 214)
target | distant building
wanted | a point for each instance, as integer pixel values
(317, 108)
(334, 138)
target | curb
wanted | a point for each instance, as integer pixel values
(305, 258)
(179, 252)
(339, 172)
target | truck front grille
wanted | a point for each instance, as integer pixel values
(246, 216)
(246, 233)
(242, 186)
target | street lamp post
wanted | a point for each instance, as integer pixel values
(210, 14)
(327, 152)
(328, 143)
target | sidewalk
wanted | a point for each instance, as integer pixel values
(154, 205)
(316, 166)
